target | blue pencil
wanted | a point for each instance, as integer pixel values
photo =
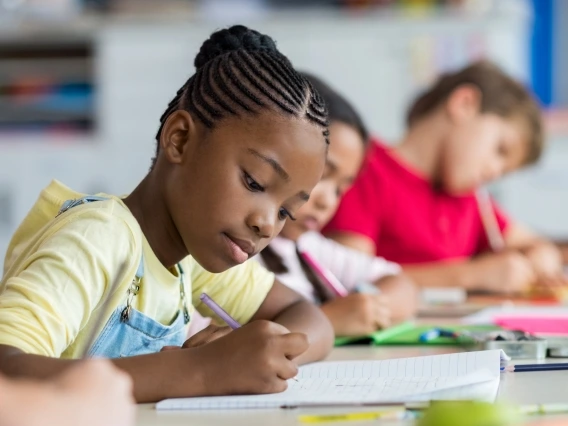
(536, 367)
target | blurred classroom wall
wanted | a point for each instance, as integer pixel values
(83, 84)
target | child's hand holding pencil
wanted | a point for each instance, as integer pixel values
(547, 263)
(507, 272)
(358, 314)
(256, 358)
(207, 335)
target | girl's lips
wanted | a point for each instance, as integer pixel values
(237, 253)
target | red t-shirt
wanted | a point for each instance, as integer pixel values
(406, 217)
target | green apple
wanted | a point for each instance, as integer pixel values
(469, 413)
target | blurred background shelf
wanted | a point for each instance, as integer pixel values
(82, 90)
(46, 86)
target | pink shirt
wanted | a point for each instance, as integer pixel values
(406, 217)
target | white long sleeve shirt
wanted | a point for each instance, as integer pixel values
(350, 266)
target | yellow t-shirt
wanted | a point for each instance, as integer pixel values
(58, 271)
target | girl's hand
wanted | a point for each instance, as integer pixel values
(358, 314)
(207, 335)
(257, 358)
(401, 294)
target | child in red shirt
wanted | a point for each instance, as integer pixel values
(414, 203)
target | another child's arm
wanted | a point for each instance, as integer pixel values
(506, 272)
(90, 393)
(544, 256)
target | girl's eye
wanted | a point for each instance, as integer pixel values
(283, 214)
(252, 185)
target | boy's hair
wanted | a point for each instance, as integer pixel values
(500, 93)
(240, 71)
(339, 108)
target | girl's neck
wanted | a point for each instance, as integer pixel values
(148, 206)
(421, 147)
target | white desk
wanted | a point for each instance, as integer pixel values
(522, 388)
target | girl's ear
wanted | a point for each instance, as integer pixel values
(178, 136)
(463, 103)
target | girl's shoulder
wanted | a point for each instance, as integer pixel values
(59, 209)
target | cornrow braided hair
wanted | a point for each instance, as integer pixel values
(240, 71)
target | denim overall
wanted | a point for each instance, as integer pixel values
(129, 332)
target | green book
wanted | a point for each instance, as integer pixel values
(408, 333)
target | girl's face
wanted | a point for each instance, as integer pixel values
(230, 190)
(346, 152)
(479, 150)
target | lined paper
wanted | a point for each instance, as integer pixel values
(471, 375)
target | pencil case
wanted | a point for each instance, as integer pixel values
(557, 347)
(518, 345)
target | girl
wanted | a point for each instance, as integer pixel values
(92, 393)
(357, 313)
(239, 150)
(415, 203)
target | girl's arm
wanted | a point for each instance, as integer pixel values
(286, 307)
(254, 359)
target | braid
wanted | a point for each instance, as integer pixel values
(238, 85)
(240, 71)
(196, 103)
(212, 93)
(284, 79)
(265, 87)
(220, 77)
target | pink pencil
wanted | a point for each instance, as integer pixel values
(325, 275)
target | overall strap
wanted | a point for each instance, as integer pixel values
(69, 204)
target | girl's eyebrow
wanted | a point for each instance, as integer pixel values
(273, 163)
(303, 195)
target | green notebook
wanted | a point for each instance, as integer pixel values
(409, 334)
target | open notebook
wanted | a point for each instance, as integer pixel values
(471, 375)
